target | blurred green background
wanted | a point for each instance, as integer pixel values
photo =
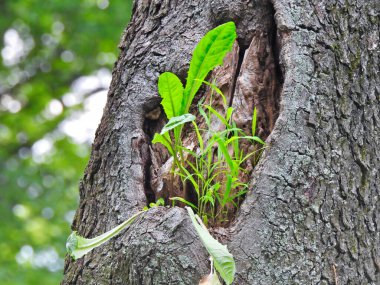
(56, 60)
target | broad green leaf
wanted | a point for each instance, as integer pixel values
(177, 121)
(208, 54)
(78, 246)
(171, 92)
(223, 260)
(163, 139)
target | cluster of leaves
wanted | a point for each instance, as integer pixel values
(176, 100)
(217, 181)
(45, 47)
(199, 167)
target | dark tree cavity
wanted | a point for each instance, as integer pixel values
(312, 214)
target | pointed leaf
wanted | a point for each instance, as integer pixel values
(208, 54)
(184, 201)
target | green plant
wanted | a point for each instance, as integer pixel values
(198, 168)
(176, 100)
(159, 202)
(216, 182)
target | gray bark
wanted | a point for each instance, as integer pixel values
(312, 213)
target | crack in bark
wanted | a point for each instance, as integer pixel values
(237, 73)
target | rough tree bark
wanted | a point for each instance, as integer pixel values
(312, 213)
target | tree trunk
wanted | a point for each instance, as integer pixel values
(312, 213)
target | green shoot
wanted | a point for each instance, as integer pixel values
(159, 202)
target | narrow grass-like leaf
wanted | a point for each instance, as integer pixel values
(216, 113)
(254, 119)
(227, 156)
(208, 54)
(190, 177)
(203, 114)
(165, 140)
(171, 92)
(215, 88)
(200, 140)
(177, 121)
(235, 144)
(254, 138)
(223, 260)
(184, 201)
(229, 112)
(227, 191)
(78, 246)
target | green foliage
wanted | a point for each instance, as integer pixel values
(216, 183)
(171, 92)
(78, 246)
(159, 202)
(208, 54)
(176, 101)
(223, 260)
(199, 168)
(205, 175)
(60, 41)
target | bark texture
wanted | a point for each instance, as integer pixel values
(312, 213)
